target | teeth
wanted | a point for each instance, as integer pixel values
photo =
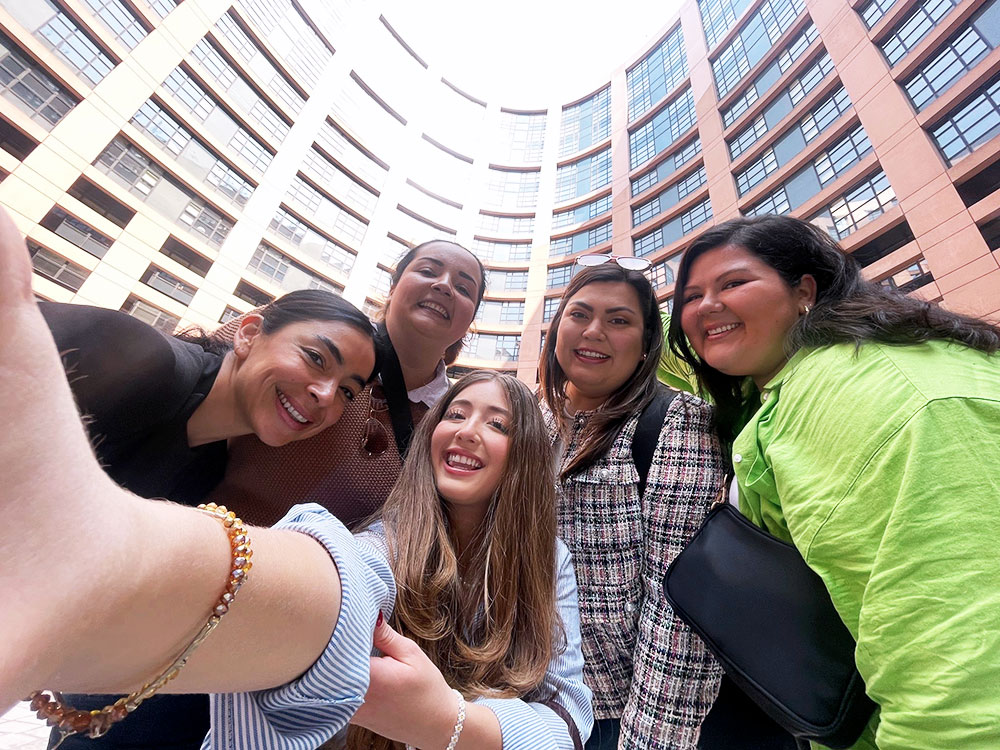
(291, 409)
(436, 308)
(723, 329)
(592, 353)
(454, 459)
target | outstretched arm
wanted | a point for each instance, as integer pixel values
(101, 589)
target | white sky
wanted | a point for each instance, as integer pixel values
(527, 54)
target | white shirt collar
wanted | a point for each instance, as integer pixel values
(430, 393)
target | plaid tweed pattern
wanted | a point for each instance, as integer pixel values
(643, 664)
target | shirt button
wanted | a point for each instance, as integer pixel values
(764, 396)
(604, 474)
(737, 458)
(629, 606)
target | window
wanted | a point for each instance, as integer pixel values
(765, 80)
(360, 162)
(76, 232)
(661, 275)
(747, 137)
(953, 60)
(311, 241)
(656, 75)
(824, 114)
(506, 281)
(976, 121)
(549, 308)
(844, 154)
(338, 182)
(510, 190)
(585, 124)
(103, 203)
(669, 197)
(382, 282)
(506, 225)
(719, 16)
(753, 42)
(559, 276)
(497, 311)
(775, 203)
(285, 272)
(660, 132)
(583, 213)
(866, 201)
(581, 241)
(56, 268)
(909, 279)
(186, 257)
(754, 174)
(147, 313)
(160, 126)
(290, 36)
(521, 138)
(73, 45)
(313, 204)
(501, 252)
(872, 13)
(696, 216)
(30, 88)
(206, 221)
(912, 29)
(583, 176)
(253, 295)
(122, 21)
(486, 346)
(667, 167)
(170, 285)
(230, 313)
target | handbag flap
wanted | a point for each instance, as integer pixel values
(769, 620)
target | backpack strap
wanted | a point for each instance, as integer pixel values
(647, 433)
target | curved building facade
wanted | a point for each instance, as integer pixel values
(186, 162)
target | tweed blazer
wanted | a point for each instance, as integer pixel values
(644, 665)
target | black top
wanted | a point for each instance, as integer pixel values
(136, 389)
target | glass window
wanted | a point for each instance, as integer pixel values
(501, 252)
(169, 285)
(120, 19)
(510, 190)
(290, 36)
(747, 179)
(487, 346)
(864, 202)
(585, 124)
(912, 29)
(30, 88)
(775, 203)
(841, 156)
(580, 214)
(76, 232)
(669, 197)
(872, 13)
(549, 308)
(583, 176)
(56, 268)
(506, 225)
(559, 276)
(151, 315)
(656, 75)
(662, 130)
(753, 42)
(719, 16)
(521, 137)
(974, 122)
(667, 167)
(909, 279)
(310, 241)
(953, 60)
(71, 43)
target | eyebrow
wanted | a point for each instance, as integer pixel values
(332, 348)
(590, 308)
(440, 263)
(489, 408)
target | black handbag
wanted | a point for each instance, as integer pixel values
(769, 620)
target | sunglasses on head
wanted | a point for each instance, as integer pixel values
(628, 262)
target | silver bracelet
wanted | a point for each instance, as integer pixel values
(459, 724)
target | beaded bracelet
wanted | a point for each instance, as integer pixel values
(69, 721)
(459, 724)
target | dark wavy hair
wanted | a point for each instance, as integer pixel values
(295, 307)
(632, 397)
(452, 352)
(848, 309)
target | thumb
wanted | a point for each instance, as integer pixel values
(389, 642)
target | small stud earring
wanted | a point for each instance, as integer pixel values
(807, 309)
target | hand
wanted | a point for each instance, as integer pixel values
(15, 281)
(408, 699)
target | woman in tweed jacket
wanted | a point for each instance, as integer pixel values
(653, 679)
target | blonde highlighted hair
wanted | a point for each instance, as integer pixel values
(493, 630)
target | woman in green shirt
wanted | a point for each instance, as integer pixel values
(866, 430)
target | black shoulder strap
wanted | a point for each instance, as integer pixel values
(395, 391)
(647, 433)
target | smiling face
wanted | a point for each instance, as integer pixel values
(600, 341)
(469, 450)
(737, 310)
(295, 382)
(435, 297)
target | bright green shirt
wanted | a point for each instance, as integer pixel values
(883, 468)
(673, 371)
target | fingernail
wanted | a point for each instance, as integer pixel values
(378, 621)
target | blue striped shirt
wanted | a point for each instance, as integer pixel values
(307, 712)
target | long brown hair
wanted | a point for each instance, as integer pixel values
(494, 630)
(634, 395)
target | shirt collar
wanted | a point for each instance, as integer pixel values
(786, 371)
(430, 393)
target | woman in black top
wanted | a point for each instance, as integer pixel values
(160, 409)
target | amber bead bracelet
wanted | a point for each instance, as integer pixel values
(68, 720)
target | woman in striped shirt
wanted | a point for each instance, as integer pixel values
(101, 589)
